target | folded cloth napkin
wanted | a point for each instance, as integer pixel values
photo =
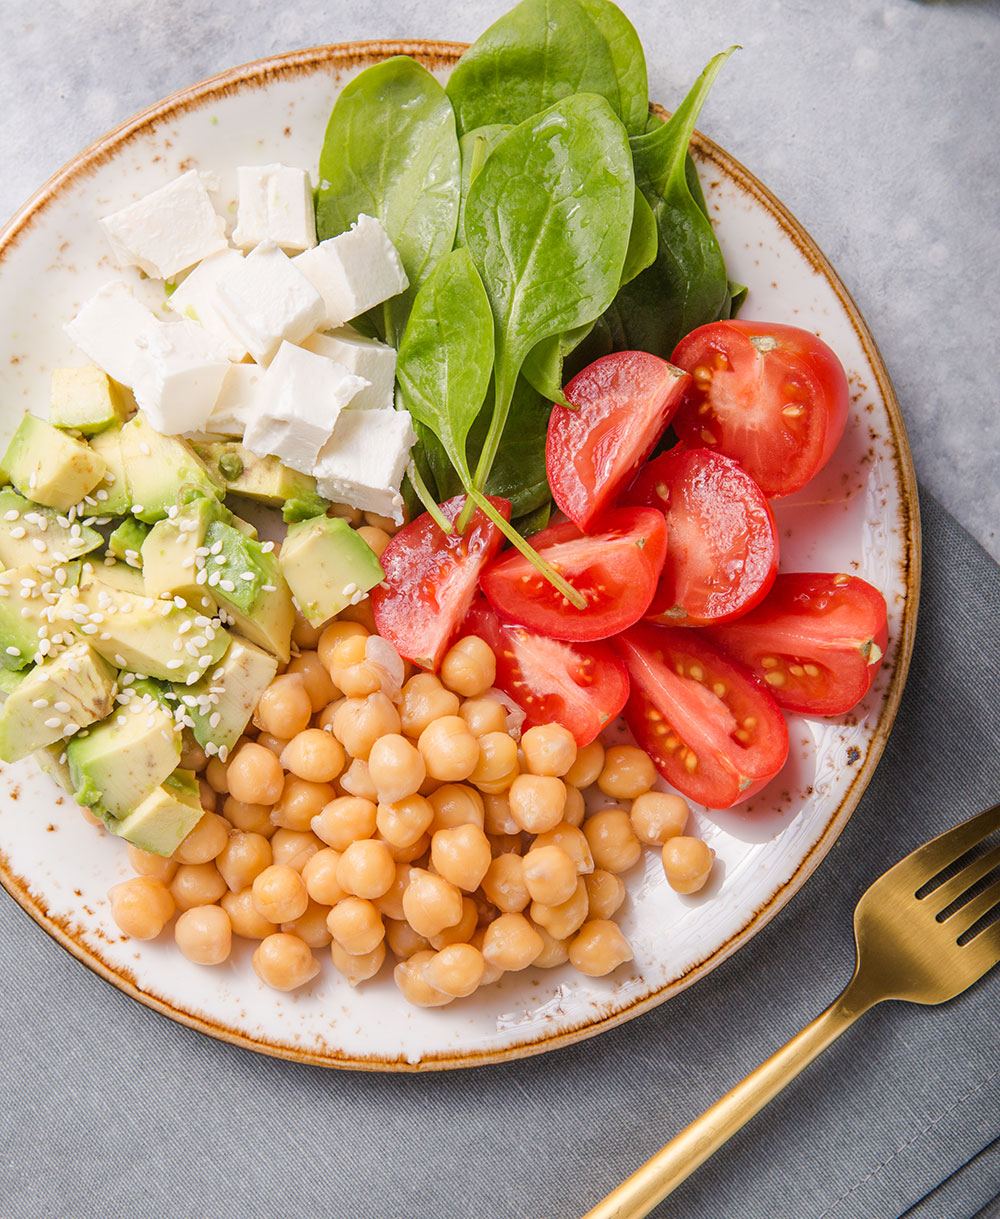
(113, 1111)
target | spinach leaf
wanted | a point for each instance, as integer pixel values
(475, 146)
(538, 53)
(629, 59)
(533, 522)
(547, 223)
(519, 472)
(391, 151)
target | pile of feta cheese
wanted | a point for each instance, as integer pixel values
(260, 348)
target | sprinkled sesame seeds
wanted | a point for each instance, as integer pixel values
(12, 651)
(62, 706)
(18, 532)
(12, 515)
(54, 722)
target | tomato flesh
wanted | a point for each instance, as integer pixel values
(582, 686)
(817, 640)
(722, 541)
(616, 569)
(773, 397)
(712, 730)
(622, 402)
(430, 580)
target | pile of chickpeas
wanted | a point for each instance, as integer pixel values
(361, 817)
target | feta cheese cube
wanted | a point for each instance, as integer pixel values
(108, 329)
(301, 396)
(237, 402)
(354, 271)
(195, 298)
(182, 371)
(167, 231)
(267, 299)
(363, 462)
(366, 358)
(275, 204)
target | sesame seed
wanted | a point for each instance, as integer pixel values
(40, 704)
(62, 706)
(101, 494)
(18, 532)
(12, 651)
(215, 719)
(175, 664)
(70, 729)
(227, 586)
(246, 575)
(213, 579)
(54, 722)
(223, 752)
(12, 515)
(144, 448)
(269, 588)
(267, 547)
(137, 508)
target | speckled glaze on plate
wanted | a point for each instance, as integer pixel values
(859, 516)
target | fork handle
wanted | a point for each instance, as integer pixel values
(650, 1184)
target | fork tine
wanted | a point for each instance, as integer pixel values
(983, 952)
(934, 856)
(968, 915)
(945, 894)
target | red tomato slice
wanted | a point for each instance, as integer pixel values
(816, 639)
(722, 542)
(615, 569)
(623, 403)
(773, 397)
(710, 727)
(430, 580)
(582, 686)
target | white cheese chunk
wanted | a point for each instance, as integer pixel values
(167, 231)
(365, 358)
(237, 402)
(275, 204)
(181, 372)
(266, 300)
(108, 329)
(195, 298)
(354, 271)
(301, 397)
(363, 462)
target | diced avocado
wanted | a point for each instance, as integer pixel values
(121, 576)
(56, 699)
(86, 400)
(249, 586)
(116, 764)
(265, 479)
(51, 467)
(126, 541)
(221, 703)
(158, 467)
(165, 817)
(29, 605)
(172, 553)
(111, 492)
(52, 760)
(23, 523)
(9, 680)
(328, 566)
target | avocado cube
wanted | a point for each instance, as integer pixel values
(28, 606)
(161, 822)
(327, 566)
(221, 703)
(158, 467)
(23, 524)
(52, 761)
(9, 680)
(86, 400)
(247, 582)
(112, 491)
(172, 557)
(122, 576)
(56, 699)
(52, 468)
(116, 764)
(126, 541)
(265, 479)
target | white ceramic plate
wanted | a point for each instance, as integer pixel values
(859, 516)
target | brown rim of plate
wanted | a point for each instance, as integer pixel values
(441, 55)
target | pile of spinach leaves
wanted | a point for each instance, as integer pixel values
(542, 216)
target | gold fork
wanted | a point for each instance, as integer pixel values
(907, 937)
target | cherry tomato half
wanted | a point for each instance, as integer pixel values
(816, 639)
(616, 569)
(710, 727)
(722, 542)
(623, 403)
(582, 686)
(430, 580)
(773, 397)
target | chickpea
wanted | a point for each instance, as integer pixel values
(243, 916)
(554, 952)
(462, 931)
(484, 715)
(456, 804)
(491, 973)
(353, 516)
(657, 816)
(537, 802)
(333, 635)
(562, 920)
(605, 893)
(376, 521)
(507, 844)
(314, 755)
(357, 781)
(156, 866)
(310, 926)
(425, 700)
(511, 942)
(285, 707)
(204, 935)
(376, 539)
(193, 757)
(431, 903)
(315, 678)
(255, 775)
(326, 717)
(366, 869)
(687, 863)
(496, 767)
(284, 962)
(208, 796)
(410, 854)
(320, 878)
(359, 722)
(550, 875)
(390, 904)
(497, 817)
(396, 767)
(612, 840)
(252, 818)
(345, 820)
(141, 907)
(206, 840)
(403, 941)
(449, 749)
(576, 809)
(504, 884)
(409, 977)
(216, 776)
(429, 786)
(404, 822)
(456, 970)
(356, 925)
(628, 772)
(469, 667)
(549, 749)
(462, 856)
(196, 884)
(362, 613)
(276, 744)
(351, 672)
(300, 802)
(294, 848)
(243, 858)
(599, 948)
(304, 634)
(588, 765)
(357, 967)
(573, 841)
(279, 894)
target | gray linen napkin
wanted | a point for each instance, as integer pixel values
(111, 1110)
